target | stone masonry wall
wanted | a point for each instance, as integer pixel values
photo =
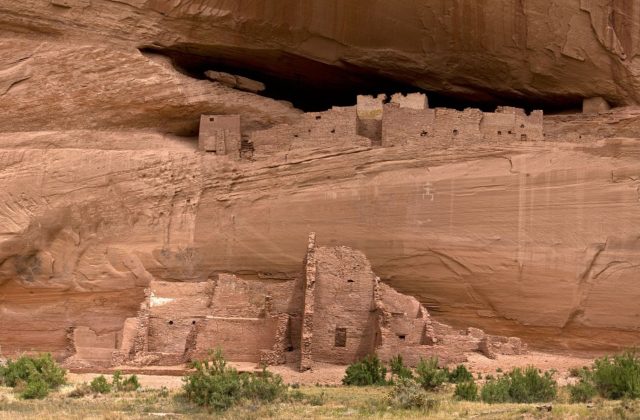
(344, 321)
(335, 127)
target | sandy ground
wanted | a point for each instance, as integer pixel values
(326, 374)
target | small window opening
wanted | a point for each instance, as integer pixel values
(211, 119)
(341, 337)
(290, 348)
(193, 322)
(402, 336)
(499, 133)
(521, 125)
(295, 135)
(333, 131)
(523, 137)
(455, 132)
(170, 322)
(423, 134)
(318, 117)
(510, 132)
(350, 281)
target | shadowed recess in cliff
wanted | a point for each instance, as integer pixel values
(316, 86)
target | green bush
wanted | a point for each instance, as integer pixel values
(398, 369)
(530, 386)
(467, 391)
(34, 376)
(125, 384)
(519, 386)
(408, 394)
(618, 377)
(218, 386)
(496, 391)
(429, 375)
(100, 385)
(583, 391)
(460, 374)
(264, 387)
(368, 371)
(80, 390)
(131, 384)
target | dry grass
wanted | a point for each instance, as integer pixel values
(310, 402)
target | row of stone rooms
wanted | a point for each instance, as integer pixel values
(336, 311)
(381, 121)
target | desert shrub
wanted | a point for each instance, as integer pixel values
(398, 369)
(218, 386)
(35, 388)
(531, 386)
(33, 377)
(617, 377)
(100, 385)
(368, 371)
(429, 375)
(460, 374)
(264, 387)
(213, 384)
(583, 391)
(495, 391)
(317, 400)
(80, 390)
(467, 391)
(408, 394)
(520, 386)
(129, 384)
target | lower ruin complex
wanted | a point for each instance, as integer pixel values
(337, 311)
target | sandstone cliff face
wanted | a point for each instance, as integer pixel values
(102, 190)
(534, 240)
(544, 50)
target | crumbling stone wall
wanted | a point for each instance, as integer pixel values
(369, 112)
(442, 127)
(306, 337)
(220, 134)
(332, 128)
(241, 339)
(512, 124)
(337, 312)
(344, 322)
(402, 126)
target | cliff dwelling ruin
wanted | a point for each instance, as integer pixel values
(471, 176)
(378, 121)
(337, 311)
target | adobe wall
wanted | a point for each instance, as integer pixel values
(306, 333)
(241, 339)
(249, 319)
(93, 348)
(344, 319)
(512, 124)
(402, 126)
(333, 128)
(369, 111)
(410, 100)
(442, 127)
(220, 134)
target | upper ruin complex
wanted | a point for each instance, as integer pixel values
(396, 121)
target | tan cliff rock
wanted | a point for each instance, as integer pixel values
(546, 50)
(103, 190)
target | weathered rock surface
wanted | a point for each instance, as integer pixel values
(522, 239)
(545, 50)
